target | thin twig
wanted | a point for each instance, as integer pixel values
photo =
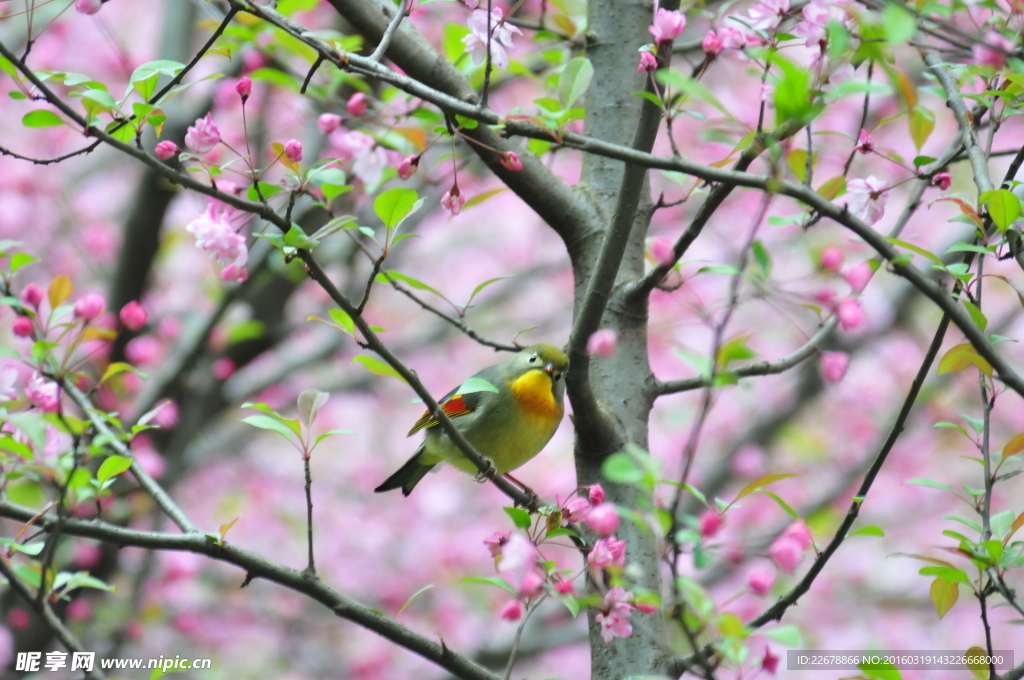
(389, 33)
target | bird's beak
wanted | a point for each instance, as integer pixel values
(549, 368)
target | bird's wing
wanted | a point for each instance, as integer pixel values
(454, 405)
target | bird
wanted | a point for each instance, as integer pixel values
(508, 412)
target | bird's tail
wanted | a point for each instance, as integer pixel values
(408, 476)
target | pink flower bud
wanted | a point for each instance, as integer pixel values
(233, 272)
(357, 104)
(596, 494)
(832, 258)
(143, 351)
(858, 276)
(166, 150)
(711, 44)
(604, 519)
(825, 296)
(648, 62)
(18, 618)
(244, 87)
(90, 306)
(512, 611)
(662, 251)
(293, 150)
(532, 585)
(328, 122)
(603, 343)
(710, 523)
(564, 587)
(606, 552)
(88, 6)
(408, 167)
(770, 662)
(647, 607)
(760, 581)
(851, 316)
(668, 24)
(133, 316)
(833, 365)
(864, 143)
(203, 136)
(575, 509)
(23, 327)
(223, 368)
(167, 416)
(510, 161)
(942, 180)
(786, 553)
(32, 295)
(799, 532)
(453, 200)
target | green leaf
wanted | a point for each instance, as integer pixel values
(866, 531)
(331, 433)
(19, 260)
(413, 597)
(944, 594)
(341, 317)
(920, 251)
(1003, 207)
(112, 467)
(41, 118)
(394, 205)
(788, 635)
(976, 315)
(931, 483)
(484, 285)
(269, 423)
(948, 573)
(882, 670)
(116, 368)
(415, 283)
(921, 122)
(781, 503)
(480, 198)
(762, 482)
(620, 467)
(17, 448)
(1001, 523)
(476, 385)
(377, 367)
(793, 93)
(520, 517)
(490, 581)
(574, 80)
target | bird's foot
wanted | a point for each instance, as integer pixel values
(486, 475)
(532, 502)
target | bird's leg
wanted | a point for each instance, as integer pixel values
(533, 500)
(488, 474)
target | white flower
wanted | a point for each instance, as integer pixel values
(476, 41)
(867, 198)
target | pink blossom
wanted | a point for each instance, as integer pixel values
(768, 14)
(833, 365)
(662, 251)
(799, 532)
(710, 522)
(214, 233)
(603, 343)
(223, 368)
(867, 198)
(603, 518)
(23, 327)
(8, 378)
(166, 150)
(850, 313)
(532, 585)
(993, 52)
(647, 607)
(453, 200)
(668, 24)
(518, 557)
(358, 104)
(328, 122)
(87, 554)
(495, 541)
(786, 553)
(770, 662)
(79, 609)
(832, 258)
(408, 167)
(648, 62)
(760, 581)
(858, 276)
(564, 587)
(732, 38)
(167, 416)
(510, 161)
(607, 552)
(244, 87)
(203, 136)
(614, 625)
(234, 273)
(512, 611)
(864, 143)
(618, 599)
(43, 393)
(293, 150)
(942, 180)
(711, 44)
(133, 316)
(825, 296)
(476, 41)
(90, 306)
(575, 509)
(144, 350)
(32, 295)
(88, 6)
(596, 493)
(18, 618)
(814, 28)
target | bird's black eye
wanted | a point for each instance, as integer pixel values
(558, 376)
(533, 359)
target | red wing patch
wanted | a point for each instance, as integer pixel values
(454, 407)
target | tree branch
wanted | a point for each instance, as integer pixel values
(257, 566)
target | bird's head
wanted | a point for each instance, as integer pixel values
(546, 358)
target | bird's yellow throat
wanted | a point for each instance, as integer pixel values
(533, 390)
